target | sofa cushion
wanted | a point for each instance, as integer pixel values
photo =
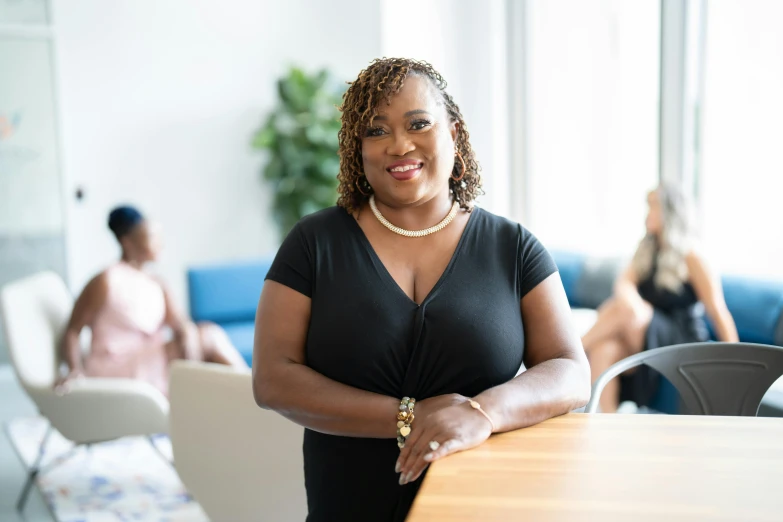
(779, 332)
(570, 267)
(241, 334)
(226, 293)
(596, 283)
(756, 306)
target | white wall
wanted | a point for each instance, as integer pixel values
(466, 42)
(158, 102)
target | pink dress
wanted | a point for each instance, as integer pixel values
(128, 335)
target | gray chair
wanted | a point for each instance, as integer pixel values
(712, 378)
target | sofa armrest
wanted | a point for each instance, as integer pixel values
(583, 319)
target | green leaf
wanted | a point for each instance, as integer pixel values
(300, 135)
(274, 170)
(265, 138)
(286, 186)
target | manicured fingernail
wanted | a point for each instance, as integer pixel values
(397, 467)
(402, 480)
(428, 457)
(408, 477)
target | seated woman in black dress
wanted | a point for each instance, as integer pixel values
(659, 300)
(403, 297)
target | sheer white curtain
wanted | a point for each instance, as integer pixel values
(741, 181)
(593, 83)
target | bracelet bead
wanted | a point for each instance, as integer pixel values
(405, 418)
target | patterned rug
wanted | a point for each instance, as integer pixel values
(118, 481)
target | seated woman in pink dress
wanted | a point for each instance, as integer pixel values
(136, 329)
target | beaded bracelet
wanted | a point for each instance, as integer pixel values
(404, 420)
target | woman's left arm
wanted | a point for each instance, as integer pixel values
(558, 376)
(185, 332)
(710, 293)
(557, 381)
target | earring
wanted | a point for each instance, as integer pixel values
(359, 186)
(462, 175)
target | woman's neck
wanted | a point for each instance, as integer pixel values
(135, 263)
(418, 217)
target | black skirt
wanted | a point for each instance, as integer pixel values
(685, 325)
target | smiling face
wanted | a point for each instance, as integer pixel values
(408, 150)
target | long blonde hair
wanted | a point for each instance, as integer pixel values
(671, 247)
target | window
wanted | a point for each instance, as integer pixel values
(741, 178)
(593, 83)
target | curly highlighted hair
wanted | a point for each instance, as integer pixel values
(381, 80)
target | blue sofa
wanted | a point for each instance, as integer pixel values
(756, 306)
(228, 295)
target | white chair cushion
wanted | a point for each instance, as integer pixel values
(35, 311)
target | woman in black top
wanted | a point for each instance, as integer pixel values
(659, 300)
(405, 289)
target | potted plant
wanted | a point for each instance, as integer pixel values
(300, 136)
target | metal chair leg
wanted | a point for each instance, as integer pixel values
(157, 450)
(33, 472)
(36, 468)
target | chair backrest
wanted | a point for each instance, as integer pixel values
(712, 378)
(240, 462)
(35, 311)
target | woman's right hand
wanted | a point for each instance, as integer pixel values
(429, 406)
(425, 409)
(62, 384)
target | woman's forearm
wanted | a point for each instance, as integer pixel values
(186, 339)
(627, 291)
(549, 389)
(725, 329)
(71, 351)
(321, 404)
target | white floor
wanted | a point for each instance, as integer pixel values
(14, 403)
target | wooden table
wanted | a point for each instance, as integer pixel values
(601, 468)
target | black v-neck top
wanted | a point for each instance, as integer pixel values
(466, 336)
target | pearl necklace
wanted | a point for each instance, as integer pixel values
(414, 233)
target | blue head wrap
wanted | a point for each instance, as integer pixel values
(124, 219)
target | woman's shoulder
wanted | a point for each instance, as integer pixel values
(106, 276)
(121, 276)
(324, 221)
(516, 247)
(97, 289)
(696, 260)
(320, 230)
(493, 226)
(503, 236)
(119, 271)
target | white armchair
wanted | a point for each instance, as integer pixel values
(35, 311)
(241, 463)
